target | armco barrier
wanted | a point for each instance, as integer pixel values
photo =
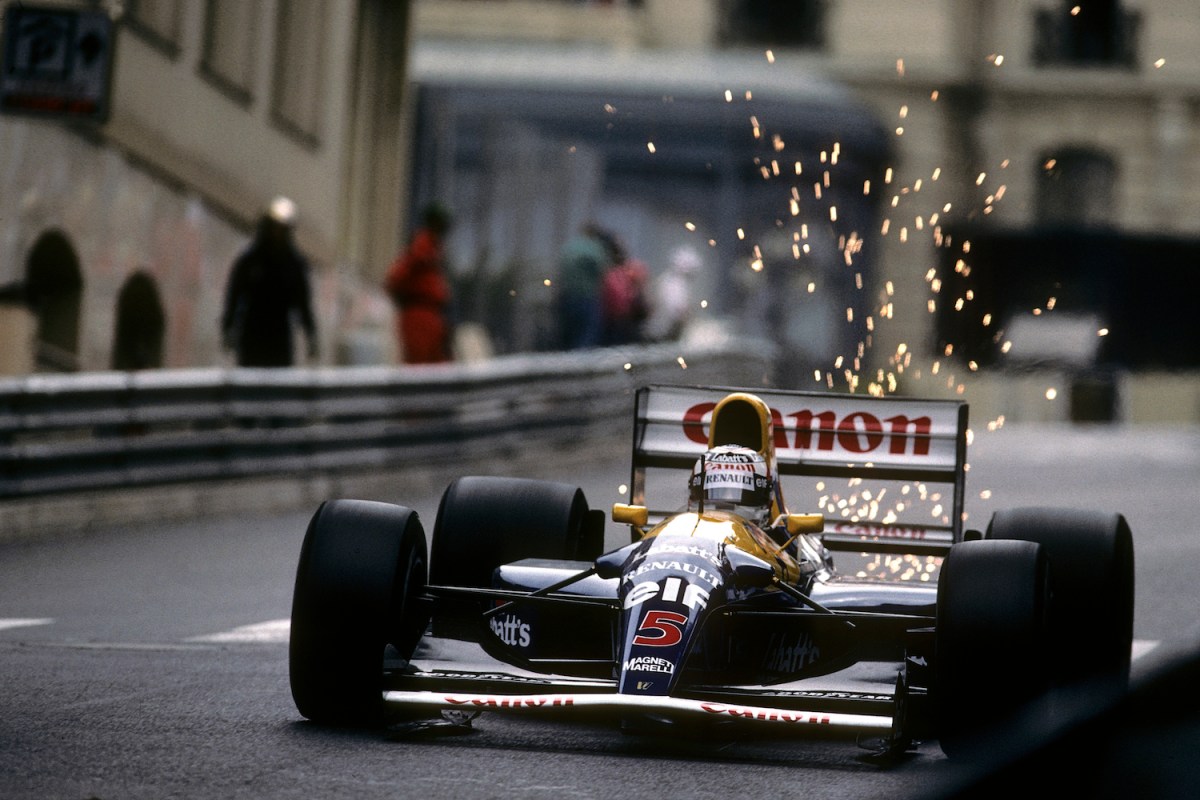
(65, 434)
(93, 450)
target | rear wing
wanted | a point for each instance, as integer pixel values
(888, 472)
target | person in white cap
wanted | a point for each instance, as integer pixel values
(672, 306)
(267, 293)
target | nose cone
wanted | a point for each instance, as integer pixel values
(666, 594)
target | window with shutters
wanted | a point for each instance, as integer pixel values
(1077, 188)
(231, 46)
(298, 93)
(1086, 33)
(796, 24)
(156, 22)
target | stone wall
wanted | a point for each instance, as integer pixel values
(120, 217)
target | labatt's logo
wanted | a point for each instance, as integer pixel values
(511, 630)
(857, 432)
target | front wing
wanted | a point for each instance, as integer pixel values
(851, 712)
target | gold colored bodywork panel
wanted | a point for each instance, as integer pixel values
(725, 528)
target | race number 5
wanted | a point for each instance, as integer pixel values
(660, 629)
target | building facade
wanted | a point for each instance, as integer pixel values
(215, 108)
(1040, 160)
(915, 177)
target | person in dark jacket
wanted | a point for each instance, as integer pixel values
(267, 293)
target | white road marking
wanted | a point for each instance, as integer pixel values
(1142, 647)
(150, 647)
(5, 624)
(275, 631)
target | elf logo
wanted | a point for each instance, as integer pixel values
(671, 590)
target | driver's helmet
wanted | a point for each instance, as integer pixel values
(733, 478)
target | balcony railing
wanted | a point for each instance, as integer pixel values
(1064, 40)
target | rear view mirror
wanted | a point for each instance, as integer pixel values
(805, 523)
(630, 515)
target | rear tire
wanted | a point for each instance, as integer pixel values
(362, 570)
(992, 620)
(1091, 559)
(484, 522)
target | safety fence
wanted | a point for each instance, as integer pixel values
(119, 430)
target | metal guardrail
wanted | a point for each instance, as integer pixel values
(117, 430)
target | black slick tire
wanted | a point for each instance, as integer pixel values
(486, 521)
(992, 621)
(1092, 563)
(362, 569)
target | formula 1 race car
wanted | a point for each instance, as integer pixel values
(727, 609)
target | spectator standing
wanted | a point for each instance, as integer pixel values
(582, 264)
(623, 297)
(417, 284)
(267, 292)
(673, 296)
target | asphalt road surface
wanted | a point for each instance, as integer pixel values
(152, 661)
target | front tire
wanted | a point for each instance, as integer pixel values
(362, 570)
(993, 608)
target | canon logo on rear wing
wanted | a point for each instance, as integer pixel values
(857, 432)
(881, 531)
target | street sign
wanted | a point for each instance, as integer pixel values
(56, 62)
